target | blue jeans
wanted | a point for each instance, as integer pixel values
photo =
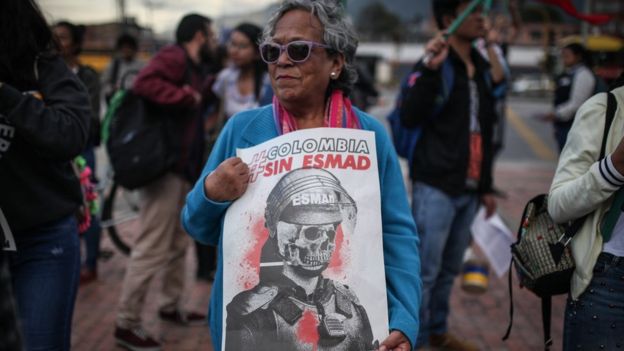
(45, 271)
(596, 320)
(444, 227)
(92, 235)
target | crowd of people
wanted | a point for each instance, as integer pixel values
(260, 84)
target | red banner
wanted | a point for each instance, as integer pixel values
(568, 7)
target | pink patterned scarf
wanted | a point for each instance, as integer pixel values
(338, 114)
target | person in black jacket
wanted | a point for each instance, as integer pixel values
(452, 166)
(44, 123)
(70, 38)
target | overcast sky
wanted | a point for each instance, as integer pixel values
(164, 16)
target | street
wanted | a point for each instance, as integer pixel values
(524, 169)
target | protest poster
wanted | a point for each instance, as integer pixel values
(302, 248)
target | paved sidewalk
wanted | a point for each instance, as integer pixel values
(94, 317)
(482, 318)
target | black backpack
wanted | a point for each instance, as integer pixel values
(142, 137)
(139, 142)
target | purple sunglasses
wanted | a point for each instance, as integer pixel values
(298, 51)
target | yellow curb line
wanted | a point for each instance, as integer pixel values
(535, 143)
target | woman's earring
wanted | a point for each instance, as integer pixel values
(333, 75)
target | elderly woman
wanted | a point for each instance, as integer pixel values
(309, 47)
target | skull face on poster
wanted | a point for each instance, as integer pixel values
(294, 307)
(308, 247)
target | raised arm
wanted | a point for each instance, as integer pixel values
(424, 86)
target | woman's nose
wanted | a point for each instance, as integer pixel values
(283, 58)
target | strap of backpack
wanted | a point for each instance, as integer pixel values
(611, 217)
(536, 201)
(546, 311)
(448, 80)
(610, 115)
(115, 71)
(511, 307)
(447, 75)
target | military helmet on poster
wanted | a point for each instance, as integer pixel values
(309, 196)
(304, 212)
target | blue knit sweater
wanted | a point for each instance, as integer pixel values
(203, 218)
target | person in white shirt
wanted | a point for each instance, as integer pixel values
(586, 185)
(120, 71)
(244, 84)
(573, 87)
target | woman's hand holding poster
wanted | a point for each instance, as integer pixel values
(302, 248)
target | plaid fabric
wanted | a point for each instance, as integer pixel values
(532, 255)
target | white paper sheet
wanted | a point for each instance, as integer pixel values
(494, 239)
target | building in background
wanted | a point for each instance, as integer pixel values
(394, 31)
(224, 24)
(100, 39)
(102, 36)
(614, 8)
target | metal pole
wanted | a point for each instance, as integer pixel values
(460, 19)
(455, 24)
(487, 6)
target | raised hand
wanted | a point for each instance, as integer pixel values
(396, 341)
(228, 182)
(437, 50)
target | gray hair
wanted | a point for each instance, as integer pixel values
(338, 33)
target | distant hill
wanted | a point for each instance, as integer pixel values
(405, 9)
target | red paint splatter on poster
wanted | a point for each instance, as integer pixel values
(337, 259)
(250, 267)
(307, 329)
